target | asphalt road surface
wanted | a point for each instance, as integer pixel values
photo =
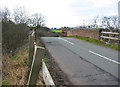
(84, 63)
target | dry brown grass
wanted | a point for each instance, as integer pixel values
(15, 69)
(40, 79)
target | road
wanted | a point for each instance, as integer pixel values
(84, 63)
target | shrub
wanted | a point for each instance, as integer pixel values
(13, 36)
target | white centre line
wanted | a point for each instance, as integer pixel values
(66, 41)
(104, 57)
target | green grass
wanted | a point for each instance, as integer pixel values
(14, 57)
(19, 55)
(46, 60)
(117, 47)
(6, 82)
(55, 30)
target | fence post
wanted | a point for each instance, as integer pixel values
(35, 34)
(31, 49)
(36, 65)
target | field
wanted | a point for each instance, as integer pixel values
(55, 30)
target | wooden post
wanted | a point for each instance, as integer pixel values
(0, 52)
(35, 34)
(31, 49)
(36, 65)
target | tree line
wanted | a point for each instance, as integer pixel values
(16, 26)
(20, 15)
(105, 22)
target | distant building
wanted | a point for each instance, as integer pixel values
(65, 29)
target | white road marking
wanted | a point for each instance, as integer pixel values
(66, 41)
(68, 38)
(104, 57)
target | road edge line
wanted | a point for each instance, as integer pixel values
(66, 41)
(104, 57)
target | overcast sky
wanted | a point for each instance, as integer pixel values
(59, 13)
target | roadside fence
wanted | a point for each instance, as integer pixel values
(36, 63)
(109, 37)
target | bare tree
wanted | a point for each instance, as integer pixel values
(37, 20)
(106, 22)
(95, 22)
(110, 22)
(114, 20)
(0, 14)
(89, 24)
(5, 14)
(20, 15)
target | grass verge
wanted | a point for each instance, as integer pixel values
(6, 82)
(55, 30)
(15, 69)
(98, 42)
